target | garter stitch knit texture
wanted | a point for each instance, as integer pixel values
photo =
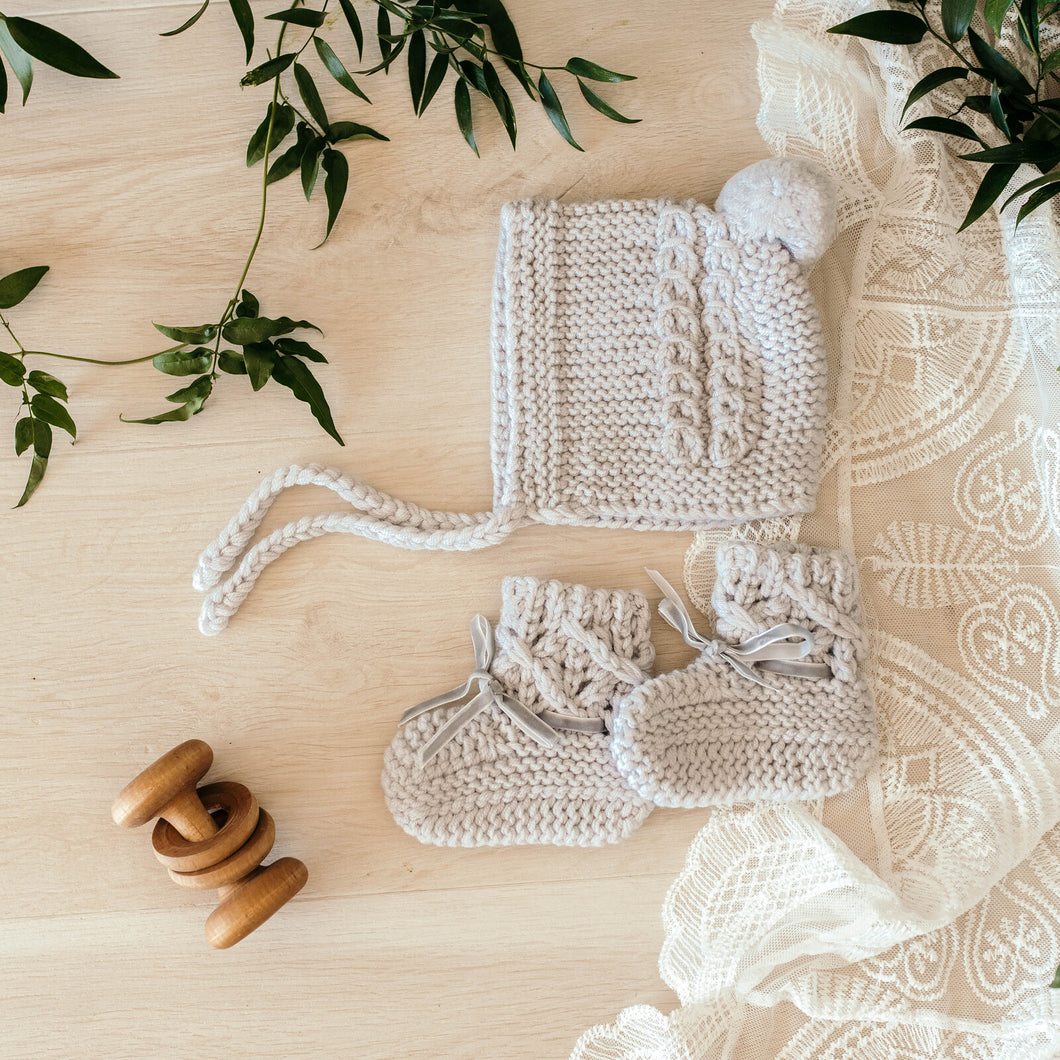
(656, 365)
(561, 647)
(707, 735)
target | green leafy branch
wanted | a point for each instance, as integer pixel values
(1014, 99)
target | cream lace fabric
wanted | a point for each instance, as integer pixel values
(917, 917)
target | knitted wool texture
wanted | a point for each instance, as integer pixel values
(561, 647)
(708, 736)
(656, 365)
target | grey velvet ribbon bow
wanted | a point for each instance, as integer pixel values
(539, 727)
(781, 649)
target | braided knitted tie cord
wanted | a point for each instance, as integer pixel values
(378, 516)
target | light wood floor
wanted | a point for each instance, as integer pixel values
(135, 193)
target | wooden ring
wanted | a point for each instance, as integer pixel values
(241, 808)
(249, 856)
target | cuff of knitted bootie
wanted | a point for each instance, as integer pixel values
(760, 585)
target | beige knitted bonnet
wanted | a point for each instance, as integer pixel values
(657, 365)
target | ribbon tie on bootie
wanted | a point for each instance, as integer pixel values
(781, 649)
(490, 694)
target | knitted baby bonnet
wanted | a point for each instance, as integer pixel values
(656, 365)
(747, 721)
(527, 759)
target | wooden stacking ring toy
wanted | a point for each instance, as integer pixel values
(211, 837)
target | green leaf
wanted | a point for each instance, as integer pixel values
(997, 114)
(889, 27)
(1033, 151)
(191, 21)
(1049, 64)
(36, 473)
(296, 376)
(1039, 182)
(46, 383)
(603, 106)
(267, 71)
(231, 362)
(1055, 984)
(994, 182)
(55, 50)
(475, 75)
(594, 72)
(501, 99)
(934, 80)
(945, 125)
(382, 29)
(354, 24)
(12, 370)
(1041, 196)
(333, 65)
(554, 110)
(338, 171)
(189, 362)
(242, 330)
(435, 77)
(300, 349)
(16, 285)
(311, 164)
(42, 439)
(307, 89)
(282, 125)
(259, 358)
(957, 17)
(287, 163)
(20, 62)
(192, 336)
(417, 57)
(23, 435)
(997, 66)
(994, 11)
(351, 130)
(462, 101)
(502, 30)
(191, 399)
(46, 408)
(245, 21)
(1028, 25)
(248, 305)
(299, 16)
(3, 88)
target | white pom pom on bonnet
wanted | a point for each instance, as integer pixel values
(657, 365)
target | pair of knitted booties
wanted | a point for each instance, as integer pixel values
(560, 735)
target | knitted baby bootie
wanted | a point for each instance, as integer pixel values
(777, 708)
(527, 759)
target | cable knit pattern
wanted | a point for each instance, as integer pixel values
(707, 736)
(656, 366)
(561, 647)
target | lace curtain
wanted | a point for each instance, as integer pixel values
(918, 916)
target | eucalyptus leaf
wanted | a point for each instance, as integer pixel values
(191, 21)
(259, 358)
(338, 171)
(37, 468)
(957, 17)
(462, 102)
(603, 106)
(16, 285)
(594, 72)
(888, 27)
(231, 362)
(435, 77)
(554, 110)
(245, 21)
(12, 370)
(501, 100)
(334, 66)
(266, 72)
(192, 336)
(46, 383)
(296, 376)
(21, 63)
(994, 182)
(354, 23)
(933, 80)
(300, 349)
(351, 130)
(190, 362)
(23, 435)
(299, 16)
(53, 49)
(46, 408)
(307, 89)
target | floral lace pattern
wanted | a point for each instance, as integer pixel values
(916, 915)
